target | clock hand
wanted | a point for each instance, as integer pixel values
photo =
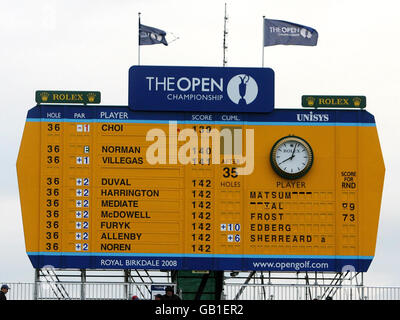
(294, 149)
(290, 158)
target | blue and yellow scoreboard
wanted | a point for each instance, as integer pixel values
(108, 187)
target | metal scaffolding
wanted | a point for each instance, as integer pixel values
(83, 284)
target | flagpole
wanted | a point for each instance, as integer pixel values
(263, 26)
(224, 44)
(139, 40)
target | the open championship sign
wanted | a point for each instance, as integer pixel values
(216, 89)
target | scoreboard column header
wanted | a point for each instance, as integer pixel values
(123, 114)
(160, 88)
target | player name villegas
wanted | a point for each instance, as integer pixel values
(122, 160)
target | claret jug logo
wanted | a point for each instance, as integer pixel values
(305, 33)
(242, 89)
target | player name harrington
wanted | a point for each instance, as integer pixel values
(130, 192)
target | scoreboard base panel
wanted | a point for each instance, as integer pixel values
(209, 262)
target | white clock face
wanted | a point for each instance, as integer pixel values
(291, 157)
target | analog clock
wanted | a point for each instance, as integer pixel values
(291, 157)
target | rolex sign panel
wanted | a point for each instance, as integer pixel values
(164, 88)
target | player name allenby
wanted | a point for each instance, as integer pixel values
(120, 236)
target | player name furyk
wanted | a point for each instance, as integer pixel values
(204, 309)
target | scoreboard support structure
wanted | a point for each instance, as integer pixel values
(57, 282)
(319, 285)
(316, 282)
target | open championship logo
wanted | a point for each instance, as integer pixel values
(242, 89)
(305, 33)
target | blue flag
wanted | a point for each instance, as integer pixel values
(288, 33)
(149, 35)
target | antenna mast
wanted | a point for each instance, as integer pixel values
(225, 46)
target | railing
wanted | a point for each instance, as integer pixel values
(125, 291)
(309, 292)
(79, 291)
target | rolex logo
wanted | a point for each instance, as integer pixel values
(44, 96)
(357, 102)
(58, 96)
(310, 101)
(91, 96)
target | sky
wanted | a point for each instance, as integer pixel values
(90, 45)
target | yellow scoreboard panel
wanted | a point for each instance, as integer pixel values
(291, 190)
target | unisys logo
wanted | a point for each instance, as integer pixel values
(312, 117)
